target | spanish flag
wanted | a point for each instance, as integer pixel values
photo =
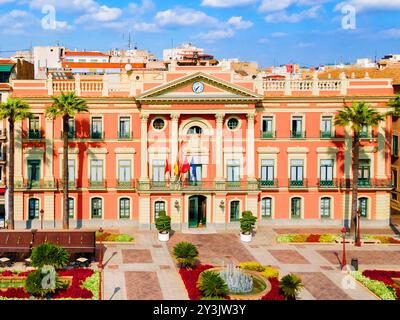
(176, 169)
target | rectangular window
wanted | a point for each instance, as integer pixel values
(296, 172)
(71, 171)
(33, 209)
(326, 127)
(326, 173)
(394, 178)
(296, 207)
(159, 206)
(267, 127)
(34, 128)
(34, 173)
(267, 172)
(71, 128)
(124, 208)
(234, 213)
(297, 127)
(71, 207)
(124, 128)
(233, 170)
(364, 172)
(158, 170)
(266, 208)
(97, 128)
(96, 170)
(325, 209)
(395, 146)
(97, 208)
(124, 171)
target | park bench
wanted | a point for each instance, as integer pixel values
(15, 241)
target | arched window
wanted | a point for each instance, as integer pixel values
(234, 210)
(195, 130)
(97, 208)
(363, 207)
(33, 208)
(159, 206)
(266, 208)
(124, 208)
(325, 207)
(296, 207)
(71, 207)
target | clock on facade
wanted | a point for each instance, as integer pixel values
(198, 87)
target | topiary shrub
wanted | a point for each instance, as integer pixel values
(212, 285)
(163, 222)
(186, 254)
(290, 286)
(247, 222)
(49, 254)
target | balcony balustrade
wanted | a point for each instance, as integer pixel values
(97, 185)
(125, 185)
(298, 184)
(268, 184)
(268, 134)
(298, 134)
(328, 184)
(124, 135)
(34, 134)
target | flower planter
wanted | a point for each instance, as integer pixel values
(163, 237)
(246, 237)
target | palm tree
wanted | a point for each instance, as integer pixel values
(291, 285)
(66, 106)
(358, 115)
(14, 110)
(395, 105)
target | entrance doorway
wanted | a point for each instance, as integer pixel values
(197, 211)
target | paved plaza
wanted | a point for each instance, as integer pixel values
(145, 269)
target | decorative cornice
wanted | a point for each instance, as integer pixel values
(268, 150)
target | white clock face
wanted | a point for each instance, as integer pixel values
(198, 87)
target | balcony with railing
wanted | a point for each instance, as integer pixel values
(27, 184)
(298, 184)
(328, 184)
(268, 134)
(97, 184)
(298, 134)
(125, 135)
(368, 184)
(327, 134)
(126, 185)
(95, 135)
(268, 184)
(35, 134)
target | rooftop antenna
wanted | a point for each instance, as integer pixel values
(129, 42)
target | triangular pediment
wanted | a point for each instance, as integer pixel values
(199, 87)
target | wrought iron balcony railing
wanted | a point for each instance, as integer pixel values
(368, 184)
(268, 134)
(97, 185)
(328, 184)
(34, 134)
(268, 184)
(97, 135)
(196, 185)
(298, 134)
(124, 135)
(327, 134)
(125, 185)
(298, 184)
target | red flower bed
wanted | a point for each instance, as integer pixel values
(275, 293)
(190, 278)
(74, 291)
(313, 238)
(385, 276)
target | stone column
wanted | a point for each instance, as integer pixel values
(144, 212)
(250, 149)
(174, 140)
(219, 147)
(144, 172)
(49, 175)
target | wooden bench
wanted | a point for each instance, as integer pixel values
(15, 241)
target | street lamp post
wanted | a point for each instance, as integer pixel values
(41, 218)
(100, 265)
(344, 262)
(358, 241)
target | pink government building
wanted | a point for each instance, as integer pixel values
(268, 146)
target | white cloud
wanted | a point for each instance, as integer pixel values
(273, 5)
(303, 45)
(66, 5)
(184, 17)
(215, 35)
(143, 8)
(102, 14)
(282, 16)
(5, 1)
(264, 40)
(226, 3)
(364, 5)
(17, 22)
(391, 33)
(239, 23)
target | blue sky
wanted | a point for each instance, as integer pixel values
(308, 32)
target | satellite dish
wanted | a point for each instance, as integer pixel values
(128, 67)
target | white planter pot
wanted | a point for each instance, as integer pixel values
(246, 237)
(163, 237)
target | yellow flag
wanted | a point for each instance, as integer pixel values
(176, 169)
